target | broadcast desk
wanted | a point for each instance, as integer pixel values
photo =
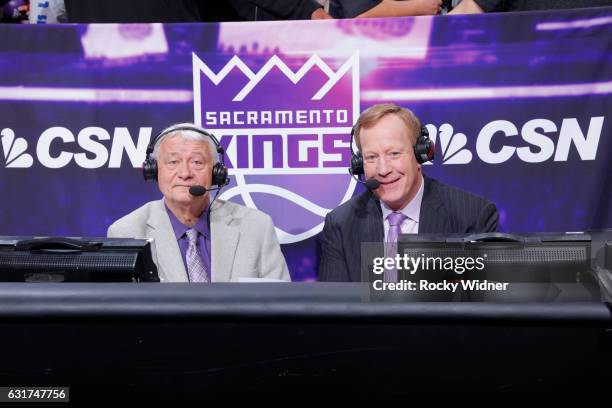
(182, 342)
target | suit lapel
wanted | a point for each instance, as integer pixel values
(369, 230)
(433, 216)
(169, 258)
(224, 240)
(375, 230)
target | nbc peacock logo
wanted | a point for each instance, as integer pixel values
(452, 145)
(285, 125)
(14, 150)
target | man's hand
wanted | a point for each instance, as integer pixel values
(320, 14)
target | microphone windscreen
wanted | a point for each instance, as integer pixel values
(197, 190)
(372, 184)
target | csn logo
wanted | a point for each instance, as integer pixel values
(536, 144)
(57, 147)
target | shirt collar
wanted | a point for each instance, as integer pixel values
(412, 210)
(179, 228)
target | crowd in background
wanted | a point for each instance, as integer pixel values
(169, 11)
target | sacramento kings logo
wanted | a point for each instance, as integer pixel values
(285, 126)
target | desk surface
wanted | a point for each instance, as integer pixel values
(270, 300)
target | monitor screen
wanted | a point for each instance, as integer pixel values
(62, 259)
(496, 266)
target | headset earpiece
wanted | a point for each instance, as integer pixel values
(219, 174)
(356, 158)
(149, 169)
(424, 148)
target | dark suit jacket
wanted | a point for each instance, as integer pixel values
(260, 10)
(444, 209)
(350, 8)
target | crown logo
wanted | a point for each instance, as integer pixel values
(274, 62)
(311, 84)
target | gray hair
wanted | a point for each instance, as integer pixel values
(198, 133)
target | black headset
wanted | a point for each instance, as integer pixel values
(424, 150)
(219, 171)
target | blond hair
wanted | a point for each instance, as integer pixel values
(375, 113)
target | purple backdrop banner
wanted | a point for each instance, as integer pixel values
(519, 106)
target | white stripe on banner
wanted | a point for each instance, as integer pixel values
(21, 93)
(536, 91)
(569, 25)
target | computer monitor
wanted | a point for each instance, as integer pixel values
(63, 259)
(497, 266)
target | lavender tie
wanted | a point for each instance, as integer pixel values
(395, 228)
(195, 266)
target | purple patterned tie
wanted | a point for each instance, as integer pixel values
(195, 266)
(395, 228)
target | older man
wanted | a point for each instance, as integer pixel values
(402, 200)
(196, 240)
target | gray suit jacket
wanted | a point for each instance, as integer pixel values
(243, 242)
(444, 209)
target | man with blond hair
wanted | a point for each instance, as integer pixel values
(402, 200)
